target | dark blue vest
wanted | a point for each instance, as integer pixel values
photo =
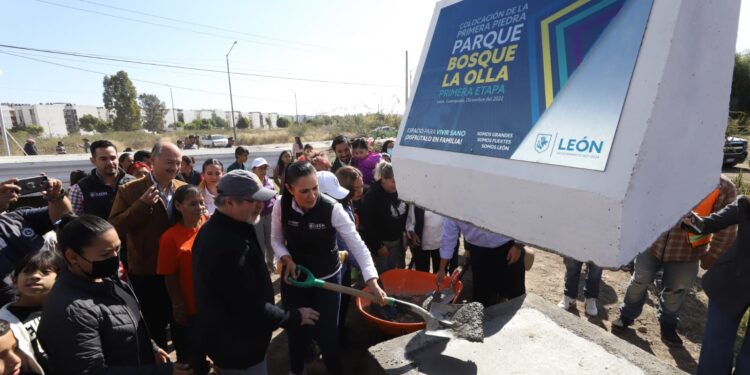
(311, 238)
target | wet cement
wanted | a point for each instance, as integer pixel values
(469, 322)
(398, 313)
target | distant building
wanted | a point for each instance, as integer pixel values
(59, 119)
(271, 119)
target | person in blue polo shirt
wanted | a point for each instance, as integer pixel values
(21, 230)
(496, 261)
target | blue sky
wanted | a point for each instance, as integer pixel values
(360, 41)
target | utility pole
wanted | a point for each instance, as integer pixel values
(174, 116)
(5, 135)
(296, 111)
(231, 100)
(406, 86)
(2, 127)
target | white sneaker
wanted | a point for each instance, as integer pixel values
(591, 309)
(566, 302)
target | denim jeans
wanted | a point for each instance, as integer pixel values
(325, 331)
(717, 349)
(573, 276)
(678, 278)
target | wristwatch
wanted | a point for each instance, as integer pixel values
(60, 197)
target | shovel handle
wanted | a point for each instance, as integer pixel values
(312, 282)
(458, 273)
(353, 292)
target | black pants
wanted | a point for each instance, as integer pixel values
(325, 331)
(155, 305)
(423, 257)
(197, 356)
(493, 276)
(346, 280)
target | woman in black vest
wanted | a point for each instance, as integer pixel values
(303, 231)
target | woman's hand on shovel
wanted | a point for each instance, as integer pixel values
(290, 269)
(380, 295)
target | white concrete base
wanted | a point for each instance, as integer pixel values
(665, 158)
(526, 335)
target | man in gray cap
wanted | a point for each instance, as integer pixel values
(233, 290)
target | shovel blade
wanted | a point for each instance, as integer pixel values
(441, 311)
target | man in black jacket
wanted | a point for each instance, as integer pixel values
(233, 290)
(383, 220)
(95, 194)
(343, 150)
(30, 147)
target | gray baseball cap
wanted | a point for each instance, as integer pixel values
(244, 184)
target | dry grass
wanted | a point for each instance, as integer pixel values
(139, 140)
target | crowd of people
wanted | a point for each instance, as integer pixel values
(146, 248)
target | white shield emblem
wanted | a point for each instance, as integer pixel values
(542, 142)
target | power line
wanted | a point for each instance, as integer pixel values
(97, 57)
(214, 27)
(225, 37)
(121, 66)
(156, 83)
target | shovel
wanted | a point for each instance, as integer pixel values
(431, 320)
(447, 295)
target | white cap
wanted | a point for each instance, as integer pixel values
(329, 185)
(257, 162)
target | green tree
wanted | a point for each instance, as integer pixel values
(91, 123)
(219, 122)
(103, 126)
(740, 97)
(180, 117)
(283, 122)
(154, 111)
(243, 123)
(88, 123)
(120, 95)
(32, 129)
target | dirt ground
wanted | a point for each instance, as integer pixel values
(545, 279)
(732, 172)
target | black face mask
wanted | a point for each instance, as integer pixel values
(103, 268)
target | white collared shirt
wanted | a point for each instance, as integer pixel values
(432, 229)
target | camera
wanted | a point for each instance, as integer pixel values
(33, 185)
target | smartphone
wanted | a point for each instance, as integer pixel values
(33, 185)
(696, 223)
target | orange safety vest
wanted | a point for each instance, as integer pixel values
(704, 208)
